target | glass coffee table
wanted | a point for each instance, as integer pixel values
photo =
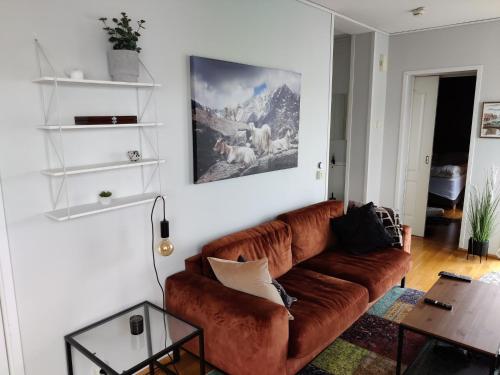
(110, 344)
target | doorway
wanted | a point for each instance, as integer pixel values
(449, 163)
(352, 64)
(11, 357)
(439, 109)
(339, 116)
(4, 363)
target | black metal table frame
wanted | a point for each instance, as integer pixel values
(401, 338)
(152, 361)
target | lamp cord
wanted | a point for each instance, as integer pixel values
(156, 273)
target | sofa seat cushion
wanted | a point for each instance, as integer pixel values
(272, 240)
(378, 271)
(311, 232)
(325, 307)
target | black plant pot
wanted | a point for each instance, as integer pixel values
(478, 248)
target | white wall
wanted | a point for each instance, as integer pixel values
(451, 47)
(72, 273)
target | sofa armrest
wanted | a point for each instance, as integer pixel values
(244, 334)
(193, 264)
(407, 239)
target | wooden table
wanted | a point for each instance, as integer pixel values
(472, 324)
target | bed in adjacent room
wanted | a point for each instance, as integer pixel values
(447, 184)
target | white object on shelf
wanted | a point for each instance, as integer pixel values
(59, 172)
(99, 126)
(338, 165)
(70, 81)
(74, 212)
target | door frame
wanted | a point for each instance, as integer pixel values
(404, 132)
(8, 300)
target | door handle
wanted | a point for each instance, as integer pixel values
(427, 159)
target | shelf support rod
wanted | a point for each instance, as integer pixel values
(150, 180)
(40, 52)
(155, 108)
(150, 95)
(155, 151)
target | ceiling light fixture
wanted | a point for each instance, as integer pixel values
(418, 11)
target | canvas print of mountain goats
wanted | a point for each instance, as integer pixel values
(245, 119)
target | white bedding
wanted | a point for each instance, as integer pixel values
(448, 170)
(449, 188)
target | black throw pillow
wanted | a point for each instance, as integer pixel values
(287, 299)
(361, 231)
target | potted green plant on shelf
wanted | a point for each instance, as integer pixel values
(123, 59)
(105, 197)
(482, 214)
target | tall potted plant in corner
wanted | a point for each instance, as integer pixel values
(482, 214)
(123, 59)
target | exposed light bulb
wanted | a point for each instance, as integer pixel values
(165, 247)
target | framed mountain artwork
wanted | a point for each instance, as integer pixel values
(245, 119)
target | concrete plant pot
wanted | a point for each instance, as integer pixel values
(123, 65)
(105, 201)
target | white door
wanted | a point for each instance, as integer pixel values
(423, 117)
(4, 365)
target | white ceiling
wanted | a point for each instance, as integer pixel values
(394, 16)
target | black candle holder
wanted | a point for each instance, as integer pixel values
(136, 324)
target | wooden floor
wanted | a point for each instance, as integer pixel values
(188, 365)
(429, 257)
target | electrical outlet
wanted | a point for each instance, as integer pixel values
(319, 174)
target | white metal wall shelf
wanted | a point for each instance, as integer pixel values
(59, 172)
(96, 208)
(54, 131)
(99, 126)
(95, 82)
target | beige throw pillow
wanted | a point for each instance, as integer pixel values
(250, 277)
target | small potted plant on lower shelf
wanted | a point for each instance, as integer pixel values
(482, 214)
(105, 197)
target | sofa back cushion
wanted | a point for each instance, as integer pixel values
(311, 231)
(270, 240)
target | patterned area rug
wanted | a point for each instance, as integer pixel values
(491, 278)
(369, 347)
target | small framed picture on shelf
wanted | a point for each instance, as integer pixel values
(490, 120)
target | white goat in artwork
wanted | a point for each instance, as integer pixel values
(261, 138)
(235, 154)
(281, 144)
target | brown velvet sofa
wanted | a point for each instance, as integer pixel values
(245, 334)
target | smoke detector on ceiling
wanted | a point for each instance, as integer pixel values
(418, 11)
